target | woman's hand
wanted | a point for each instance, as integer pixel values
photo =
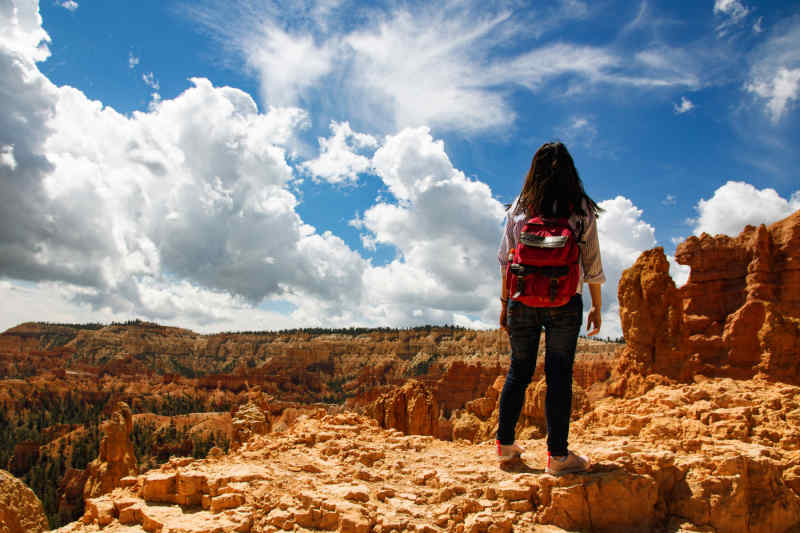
(594, 318)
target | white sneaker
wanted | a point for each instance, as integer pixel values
(508, 452)
(570, 464)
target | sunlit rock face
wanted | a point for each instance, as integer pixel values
(737, 316)
(720, 454)
(20, 509)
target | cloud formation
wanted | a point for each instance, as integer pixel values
(445, 227)
(69, 5)
(339, 160)
(184, 212)
(775, 71)
(734, 9)
(685, 106)
(433, 65)
(150, 80)
(737, 204)
(188, 213)
(731, 13)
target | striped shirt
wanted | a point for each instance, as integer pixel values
(591, 263)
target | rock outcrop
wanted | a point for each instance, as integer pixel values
(719, 455)
(737, 316)
(117, 458)
(725, 453)
(20, 509)
(412, 409)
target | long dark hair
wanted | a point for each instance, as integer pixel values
(552, 187)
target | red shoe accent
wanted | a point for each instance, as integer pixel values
(498, 446)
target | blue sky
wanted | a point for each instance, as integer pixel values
(260, 165)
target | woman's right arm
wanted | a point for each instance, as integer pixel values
(593, 275)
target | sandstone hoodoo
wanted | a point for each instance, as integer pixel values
(117, 458)
(412, 409)
(738, 315)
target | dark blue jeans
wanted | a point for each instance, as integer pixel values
(561, 326)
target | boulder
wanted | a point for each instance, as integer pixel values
(20, 509)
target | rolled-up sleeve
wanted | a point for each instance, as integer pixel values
(590, 253)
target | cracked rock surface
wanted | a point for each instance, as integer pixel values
(675, 459)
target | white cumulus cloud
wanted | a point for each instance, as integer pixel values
(23, 35)
(737, 204)
(446, 229)
(154, 214)
(339, 160)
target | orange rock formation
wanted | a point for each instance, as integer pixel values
(20, 509)
(737, 316)
(412, 409)
(117, 458)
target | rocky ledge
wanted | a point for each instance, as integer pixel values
(718, 455)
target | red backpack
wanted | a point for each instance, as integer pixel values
(545, 271)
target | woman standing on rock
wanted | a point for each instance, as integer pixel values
(548, 250)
